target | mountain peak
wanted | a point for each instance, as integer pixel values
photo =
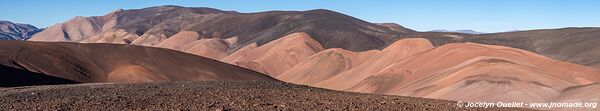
(164, 6)
(16, 31)
(320, 11)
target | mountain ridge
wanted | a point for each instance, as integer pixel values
(149, 26)
(16, 31)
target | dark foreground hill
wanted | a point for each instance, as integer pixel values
(208, 95)
(113, 63)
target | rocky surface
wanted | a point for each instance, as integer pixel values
(208, 95)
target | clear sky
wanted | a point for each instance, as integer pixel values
(422, 15)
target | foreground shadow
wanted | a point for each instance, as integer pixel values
(12, 77)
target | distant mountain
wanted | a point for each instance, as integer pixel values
(16, 31)
(150, 26)
(458, 31)
(575, 45)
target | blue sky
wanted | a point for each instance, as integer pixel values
(422, 15)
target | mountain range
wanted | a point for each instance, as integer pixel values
(318, 48)
(16, 31)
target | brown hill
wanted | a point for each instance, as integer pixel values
(189, 41)
(413, 67)
(323, 65)
(585, 93)
(76, 29)
(116, 63)
(395, 52)
(276, 57)
(150, 26)
(474, 72)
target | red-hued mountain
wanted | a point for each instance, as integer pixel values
(414, 67)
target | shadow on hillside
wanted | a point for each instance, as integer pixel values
(12, 77)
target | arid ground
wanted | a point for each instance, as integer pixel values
(207, 95)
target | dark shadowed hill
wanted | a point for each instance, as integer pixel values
(16, 31)
(116, 63)
(142, 20)
(576, 45)
(149, 26)
(11, 77)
